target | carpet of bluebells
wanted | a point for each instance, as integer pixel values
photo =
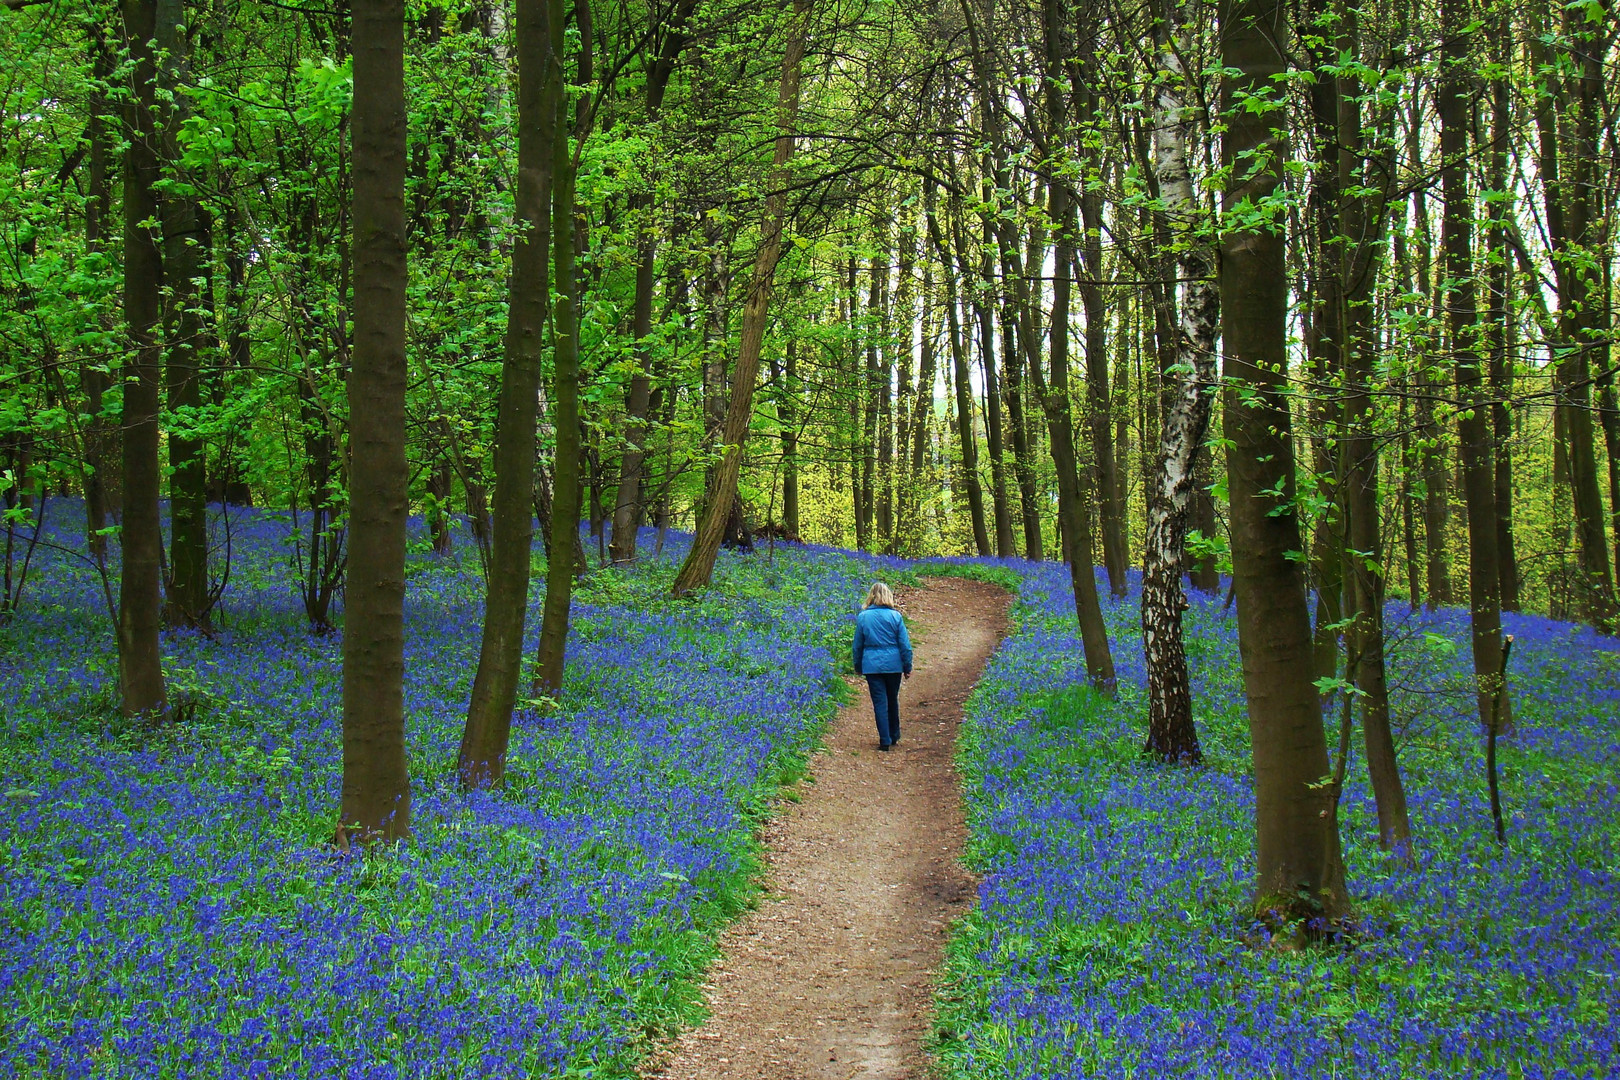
(1111, 939)
(170, 906)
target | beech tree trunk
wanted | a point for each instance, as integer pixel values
(1474, 434)
(1074, 494)
(903, 349)
(102, 481)
(699, 565)
(185, 259)
(376, 782)
(1429, 451)
(1185, 405)
(563, 552)
(995, 430)
(1361, 224)
(854, 382)
(788, 416)
(140, 663)
(1499, 320)
(1098, 399)
(966, 437)
(961, 389)
(481, 761)
(880, 359)
(1300, 872)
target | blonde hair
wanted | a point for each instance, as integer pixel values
(878, 596)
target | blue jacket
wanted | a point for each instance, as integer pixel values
(881, 642)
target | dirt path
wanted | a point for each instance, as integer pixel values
(829, 978)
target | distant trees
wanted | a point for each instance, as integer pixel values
(717, 507)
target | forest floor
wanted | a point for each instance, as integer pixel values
(830, 977)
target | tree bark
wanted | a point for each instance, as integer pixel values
(903, 349)
(1499, 320)
(140, 664)
(880, 403)
(1185, 407)
(995, 432)
(102, 482)
(185, 259)
(1568, 120)
(1474, 435)
(627, 502)
(699, 565)
(1300, 872)
(1098, 399)
(1430, 454)
(376, 800)
(966, 437)
(563, 551)
(1074, 496)
(1325, 349)
(1361, 225)
(481, 761)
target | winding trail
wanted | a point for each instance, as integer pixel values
(830, 977)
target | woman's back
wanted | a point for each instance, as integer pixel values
(881, 641)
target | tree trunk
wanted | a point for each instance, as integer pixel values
(1499, 320)
(102, 484)
(1429, 451)
(902, 349)
(1361, 225)
(1325, 353)
(880, 360)
(481, 761)
(966, 436)
(699, 565)
(1120, 407)
(440, 479)
(1568, 116)
(789, 417)
(1185, 398)
(872, 415)
(1474, 435)
(376, 782)
(1074, 498)
(855, 383)
(140, 664)
(967, 439)
(185, 259)
(628, 500)
(1006, 547)
(923, 406)
(1300, 872)
(564, 550)
(1098, 398)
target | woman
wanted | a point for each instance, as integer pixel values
(883, 655)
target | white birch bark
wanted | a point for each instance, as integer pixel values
(1186, 389)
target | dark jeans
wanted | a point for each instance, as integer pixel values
(886, 705)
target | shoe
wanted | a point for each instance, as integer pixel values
(883, 746)
(895, 741)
